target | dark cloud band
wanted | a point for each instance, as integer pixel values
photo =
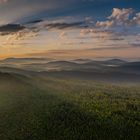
(11, 28)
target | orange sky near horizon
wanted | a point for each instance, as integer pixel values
(74, 54)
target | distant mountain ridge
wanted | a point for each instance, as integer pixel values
(46, 64)
(113, 70)
(13, 60)
(116, 61)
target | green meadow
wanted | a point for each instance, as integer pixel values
(48, 108)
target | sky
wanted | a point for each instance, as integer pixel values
(70, 28)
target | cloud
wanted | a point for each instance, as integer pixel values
(105, 24)
(100, 33)
(14, 39)
(13, 33)
(33, 28)
(110, 47)
(95, 32)
(34, 21)
(116, 39)
(119, 17)
(57, 24)
(114, 47)
(23, 34)
(61, 26)
(63, 35)
(11, 28)
(136, 19)
(135, 44)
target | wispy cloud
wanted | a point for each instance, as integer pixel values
(11, 28)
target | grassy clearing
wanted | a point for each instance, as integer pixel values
(43, 108)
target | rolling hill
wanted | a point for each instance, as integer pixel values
(114, 70)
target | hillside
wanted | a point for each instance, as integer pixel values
(44, 107)
(114, 70)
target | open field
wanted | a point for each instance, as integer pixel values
(53, 108)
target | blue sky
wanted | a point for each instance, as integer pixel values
(20, 10)
(103, 26)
